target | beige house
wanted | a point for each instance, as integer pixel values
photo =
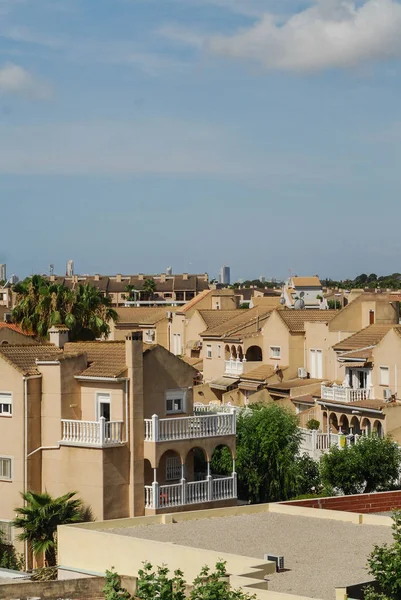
(154, 322)
(13, 334)
(187, 323)
(113, 421)
(306, 289)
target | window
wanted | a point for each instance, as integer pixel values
(275, 351)
(150, 336)
(316, 364)
(103, 406)
(218, 350)
(6, 530)
(173, 468)
(177, 344)
(384, 375)
(208, 351)
(175, 401)
(5, 468)
(5, 405)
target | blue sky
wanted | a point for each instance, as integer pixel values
(138, 134)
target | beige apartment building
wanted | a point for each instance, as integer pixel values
(113, 421)
(173, 288)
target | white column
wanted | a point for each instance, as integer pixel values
(155, 428)
(183, 485)
(155, 491)
(102, 430)
(234, 475)
(209, 480)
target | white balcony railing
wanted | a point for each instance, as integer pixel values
(193, 492)
(315, 443)
(344, 394)
(92, 433)
(234, 366)
(186, 428)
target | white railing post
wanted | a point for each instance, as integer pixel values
(209, 480)
(155, 428)
(155, 494)
(234, 420)
(234, 476)
(314, 439)
(102, 431)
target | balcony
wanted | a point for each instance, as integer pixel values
(98, 434)
(234, 366)
(193, 492)
(344, 394)
(188, 428)
(315, 443)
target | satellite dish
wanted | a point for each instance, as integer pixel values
(299, 304)
(301, 294)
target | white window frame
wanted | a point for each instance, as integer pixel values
(8, 530)
(11, 459)
(384, 369)
(3, 403)
(100, 400)
(209, 352)
(313, 367)
(272, 349)
(173, 468)
(175, 395)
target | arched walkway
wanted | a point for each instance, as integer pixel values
(344, 424)
(355, 426)
(378, 428)
(333, 421)
(366, 426)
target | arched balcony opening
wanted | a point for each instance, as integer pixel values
(378, 428)
(227, 352)
(355, 426)
(366, 426)
(254, 354)
(344, 424)
(333, 422)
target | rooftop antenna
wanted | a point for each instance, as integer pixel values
(51, 269)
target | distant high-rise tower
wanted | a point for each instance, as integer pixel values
(225, 275)
(262, 279)
(169, 271)
(3, 272)
(70, 268)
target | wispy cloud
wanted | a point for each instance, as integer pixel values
(331, 33)
(17, 80)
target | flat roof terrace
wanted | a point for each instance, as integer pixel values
(320, 554)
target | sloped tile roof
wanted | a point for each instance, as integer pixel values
(105, 359)
(24, 357)
(244, 322)
(296, 319)
(14, 327)
(369, 336)
(306, 282)
(214, 318)
(261, 373)
(146, 315)
(192, 303)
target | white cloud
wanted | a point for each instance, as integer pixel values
(16, 80)
(331, 33)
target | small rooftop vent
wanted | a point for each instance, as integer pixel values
(7, 317)
(279, 560)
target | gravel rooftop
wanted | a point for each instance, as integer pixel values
(319, 554)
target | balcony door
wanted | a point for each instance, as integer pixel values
(103, 406)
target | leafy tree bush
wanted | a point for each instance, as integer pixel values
(308, 481)
(313, 424)
(268, 441)
(9, 558)
(208, 585)
(371, 464)
(385, 565)
(334, 304)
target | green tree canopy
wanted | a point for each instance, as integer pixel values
(268, 441)
(41, 304)
(385, 565)
(39, 518)
(371, 464)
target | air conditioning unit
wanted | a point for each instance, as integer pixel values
(387, 393)
(302, 373)
(279, 560)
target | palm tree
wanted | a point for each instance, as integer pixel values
(41, 516)
(90, 314)
(41, 304)
(149, 287)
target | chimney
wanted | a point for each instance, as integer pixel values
(52, 278)
(140, 276)
(134, 361)
(118, 277)
(206, 277)
(97, 277)
(59, 335)
(185, 276)
(162, 278)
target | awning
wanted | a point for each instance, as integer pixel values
(354, 365)
(223, 383)
(252, 386)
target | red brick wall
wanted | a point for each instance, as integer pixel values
(359, 503)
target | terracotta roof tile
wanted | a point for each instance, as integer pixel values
(14, 327)
(306, 282)
(296, 319)
(244, 322)
(105, 359)
(213, 318)
(369, 336)
(24, 357)
(142, 315)
(186, 307)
